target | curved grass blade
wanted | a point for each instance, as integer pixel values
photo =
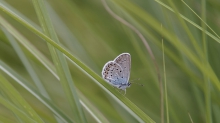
(18, 100)
(21, 81)
(172, 39)
(165, 85)
(27, 65)
(191, 22)
(206, 62)
(127, 104)
(38, 55)
(23, 117)
(60, 62)
(147, 46)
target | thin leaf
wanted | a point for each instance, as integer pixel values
(60, 62)
(127, 104)
(18, 100)
(21, 81)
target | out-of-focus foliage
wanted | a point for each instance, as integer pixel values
(87, 31)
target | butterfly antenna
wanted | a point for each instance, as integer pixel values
(135, 82)
(135, 79)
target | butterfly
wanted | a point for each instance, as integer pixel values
(117, 72)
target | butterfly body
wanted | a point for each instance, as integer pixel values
(117, 72)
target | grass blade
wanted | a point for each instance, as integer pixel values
(23, 117)
(206, 62)
(60, 62)
(18, 100)
(21, 81)
(165, 85)
(135, 111)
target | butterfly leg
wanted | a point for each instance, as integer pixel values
(115, 88)
(120, 90)
(125, 92)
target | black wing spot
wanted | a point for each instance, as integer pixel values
(111, 75)
(120, 70)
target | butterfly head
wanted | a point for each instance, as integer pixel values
(129, 84)
(124, 86)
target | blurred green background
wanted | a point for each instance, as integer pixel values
(30, 69)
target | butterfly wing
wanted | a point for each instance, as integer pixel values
(124, 60)
(113, 74)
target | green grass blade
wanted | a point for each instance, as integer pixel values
(23, 117)
(89, 37)
(95, 113)
(27, 65)
(4, 119)
(127, 104)
(178, 44)
(165, 85)
(21, 81)
(18, 99)
(191, 22)
(202, 19)
(60, 62)
(148, 48)
(120, 99)
(206, 62)
(38, 55)
(185, 27)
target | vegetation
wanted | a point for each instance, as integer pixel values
(52, 54)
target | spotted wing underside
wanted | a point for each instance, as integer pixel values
(124, 60)
(112, 73)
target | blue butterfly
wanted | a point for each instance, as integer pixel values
(117, 72)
